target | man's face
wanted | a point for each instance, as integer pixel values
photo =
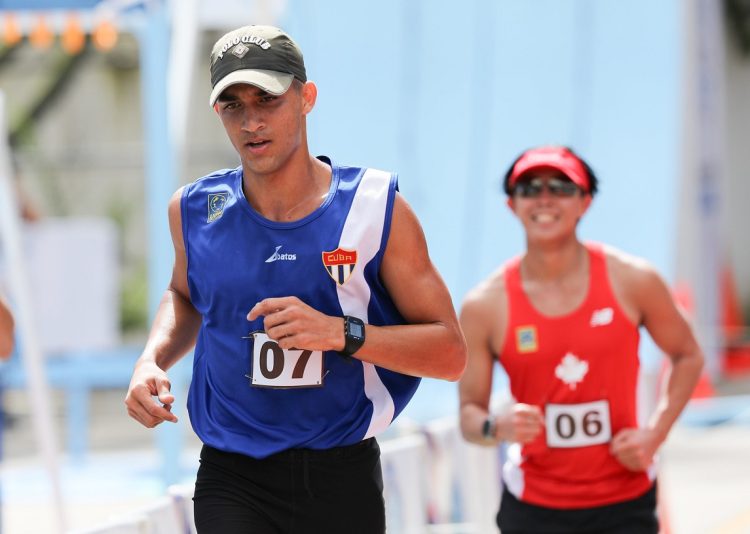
(548, 204)
(265, 129)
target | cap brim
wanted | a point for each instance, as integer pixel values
(275, 83)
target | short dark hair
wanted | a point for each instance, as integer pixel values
(592, 179)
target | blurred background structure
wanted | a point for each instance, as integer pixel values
(106, 114)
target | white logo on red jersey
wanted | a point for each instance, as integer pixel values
(602, 317)
(571, 369)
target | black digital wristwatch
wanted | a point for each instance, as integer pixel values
(354, 335)
(489, 427)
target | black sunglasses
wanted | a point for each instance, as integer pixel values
(557, 187)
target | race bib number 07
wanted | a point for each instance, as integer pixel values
(578, 425)
(275, 367)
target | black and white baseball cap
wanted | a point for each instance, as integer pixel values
(263, 56)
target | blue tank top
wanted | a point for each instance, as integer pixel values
(247, 395)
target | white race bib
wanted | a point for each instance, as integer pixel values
(275, 367)
(578, 425)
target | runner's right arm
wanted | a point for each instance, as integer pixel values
(172, 335)
(483, 317)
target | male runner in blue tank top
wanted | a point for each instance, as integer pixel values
(308, 292)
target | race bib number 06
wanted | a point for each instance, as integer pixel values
(284, 368)
(578, 425)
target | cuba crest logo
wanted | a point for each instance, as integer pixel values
(340, 264)
(216, 203)
(526, 339)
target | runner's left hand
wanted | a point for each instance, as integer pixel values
(635, 448)
(295, 325)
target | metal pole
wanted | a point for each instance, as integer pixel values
(31, 354)
(154, 40)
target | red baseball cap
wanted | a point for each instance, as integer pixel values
(556, 158)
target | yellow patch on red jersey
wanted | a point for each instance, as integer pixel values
(526, 339)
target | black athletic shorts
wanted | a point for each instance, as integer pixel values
(339, 490)
(637, 516)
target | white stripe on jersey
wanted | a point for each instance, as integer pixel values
(362, 234)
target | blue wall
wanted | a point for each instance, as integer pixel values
(448, 96)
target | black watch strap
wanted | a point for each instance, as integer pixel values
(354, 334)
(489, 427)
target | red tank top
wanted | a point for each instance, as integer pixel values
(581, 369)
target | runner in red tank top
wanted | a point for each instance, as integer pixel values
(563, 320)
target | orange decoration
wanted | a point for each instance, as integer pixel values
(73, 39)
(11, 31)
(105, 36)
(41, 35)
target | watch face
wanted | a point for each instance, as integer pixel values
(486, 428)
(356, 330)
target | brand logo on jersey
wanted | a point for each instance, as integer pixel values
(571, 369)
(526, 339)
(281, 257)
(216, 203)
(340, 264)
(602, 317)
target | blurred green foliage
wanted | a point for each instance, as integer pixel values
(134, 300)
(134, 277)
